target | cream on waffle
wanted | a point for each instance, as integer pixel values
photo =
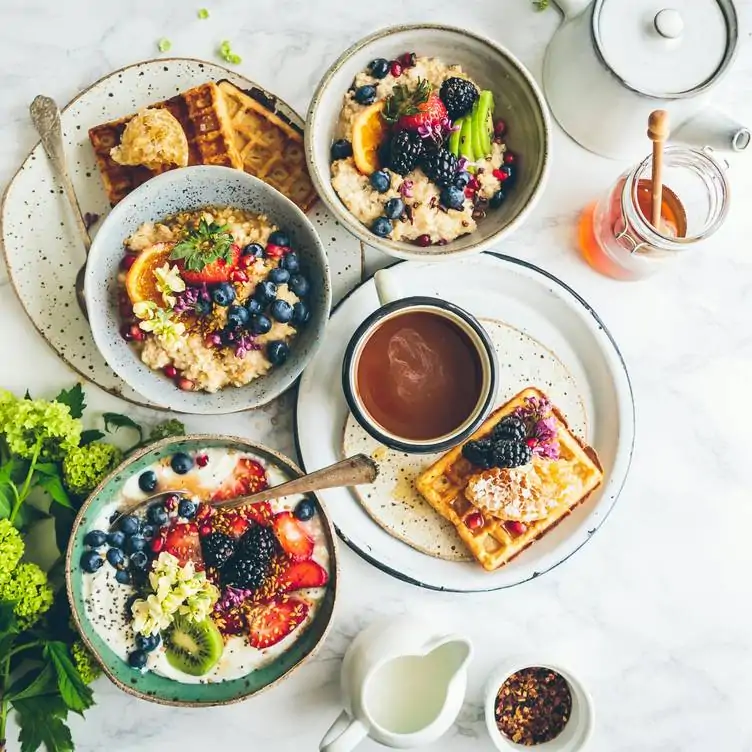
(270, 148)
(201, 112)
(567, 481)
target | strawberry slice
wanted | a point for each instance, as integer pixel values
(217, 271)
(182, 541)
(300, 575)
(431, 112)
(295, 542)
(273, 622)
(248, 477)
(260, 512)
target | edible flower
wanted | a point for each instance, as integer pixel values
(246, 343)
(194, 299)
(162, 326)
(169, 281)
(542, 429)
(438, 131)
(145, 309)
(406, 189)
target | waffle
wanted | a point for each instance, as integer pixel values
(270, 148)
(201, 112)
(575, 475)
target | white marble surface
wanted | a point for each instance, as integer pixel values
(654, 613)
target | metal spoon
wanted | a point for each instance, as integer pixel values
(46, 118)
(353, 471)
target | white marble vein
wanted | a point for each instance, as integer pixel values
(654, 613)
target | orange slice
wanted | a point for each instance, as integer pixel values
(140, 282)
(369, 132)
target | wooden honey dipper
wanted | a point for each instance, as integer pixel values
(658, 132)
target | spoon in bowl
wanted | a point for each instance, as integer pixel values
(352, 471)
(46, 118)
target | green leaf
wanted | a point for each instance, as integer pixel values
(27, 395)
(42, 723)
(26, 515)
(203, 245)
(115, 421)
(7, 495)
(90, 436)
(53, 485)
(39, 681)
(74, 398)
(64, 518)
(8, 624)
(76, 695)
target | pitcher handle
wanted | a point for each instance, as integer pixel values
(343, 735)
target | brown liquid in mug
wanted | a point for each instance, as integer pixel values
(419, 375)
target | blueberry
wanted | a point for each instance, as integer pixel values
(137, 659)
(510, 172)
(452, 197)
(380, 181)
(147, 482)
(116, 557)
(147, 643)
(381, 226)
(259, 324)
(139, 560)
(341, 149)
(394, 208)
(279, 237)
(186, 509)
(379, 67)
(365, 94)
(277, 352)
(497, 199)
(223, 294)
(254, 249)
(290, 262)
(254, 306)
(304, 510)
(299, 285)
(203, 307)
(281, 311)
(157, 515)
(181, 463)
(265, 292)
(279, 275)
(301, 314)
(237, 317)
(462, 179)
(135, 543)
(95, 538)
(116, 539)
(147, 531)
(91, 561)
(123, 576)
(130, 524)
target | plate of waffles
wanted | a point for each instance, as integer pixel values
(535, 480)
(227, 120)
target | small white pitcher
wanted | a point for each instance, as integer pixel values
(402, 684)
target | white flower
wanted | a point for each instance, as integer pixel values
(168, 282)
(162, 326)
(149, 617)
(145, 309)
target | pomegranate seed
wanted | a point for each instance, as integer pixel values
(499, 175)
(221, 262)
(205, 529)
(407, 60)
(157, 545)
(185, 385)
(125, 332)
(202, 460)
(500, 128)
(213, 340)
(532, 443)
(127, 261)
(247, 261)
(395, 68)
(137, 333)
(423, 240)
(474, 520)
(469, 192)
(171, 501)
(238, 275)
(276, 251)
(170, 371)
(473, 183)
(515, 528)
(509, 157)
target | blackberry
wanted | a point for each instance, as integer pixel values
(506, 453)
(247, 574)
(218, 548)
(479, 452)
(440, 166)
(512, 428)
(458, 96)
(405, 150)
(259, 542)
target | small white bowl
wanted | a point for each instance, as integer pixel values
(576, 733)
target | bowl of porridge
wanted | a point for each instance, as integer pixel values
(207, 291)
(428, 141)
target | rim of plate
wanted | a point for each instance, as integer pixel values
(590, 533)
(262, 449)
(160, 61)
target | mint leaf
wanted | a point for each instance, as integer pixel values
(115, 421)
(42, 723)
(90, 436)
(39, 681)
(74, 398)
(53, 485)
(76, 695)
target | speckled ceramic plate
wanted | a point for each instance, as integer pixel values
(554, 340)
(151, 686)
(37, 235)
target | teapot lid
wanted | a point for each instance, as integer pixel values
(666, 48)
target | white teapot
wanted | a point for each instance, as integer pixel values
(613, 62)
(402, 684)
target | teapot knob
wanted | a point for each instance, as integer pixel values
(669, 23)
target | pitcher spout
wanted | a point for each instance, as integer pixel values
(452, 652)
(715, 129)
(572, 8)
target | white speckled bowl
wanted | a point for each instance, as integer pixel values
(518, 100)
(184, 190)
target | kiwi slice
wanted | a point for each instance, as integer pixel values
(193, 647)
(483, 123)
(475, 132)
(466, 140)
(454, 138)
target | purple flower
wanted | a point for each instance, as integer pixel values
(186, 301)
(406, 189)
(541, 426)
(232, 597)
(438, 131)
(246, 343)
(461, 163)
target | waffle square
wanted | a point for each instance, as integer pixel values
(270, 148)
(202, 113)
(575, 475)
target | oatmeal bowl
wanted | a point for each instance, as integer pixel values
(207, 291)
(428, 141)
